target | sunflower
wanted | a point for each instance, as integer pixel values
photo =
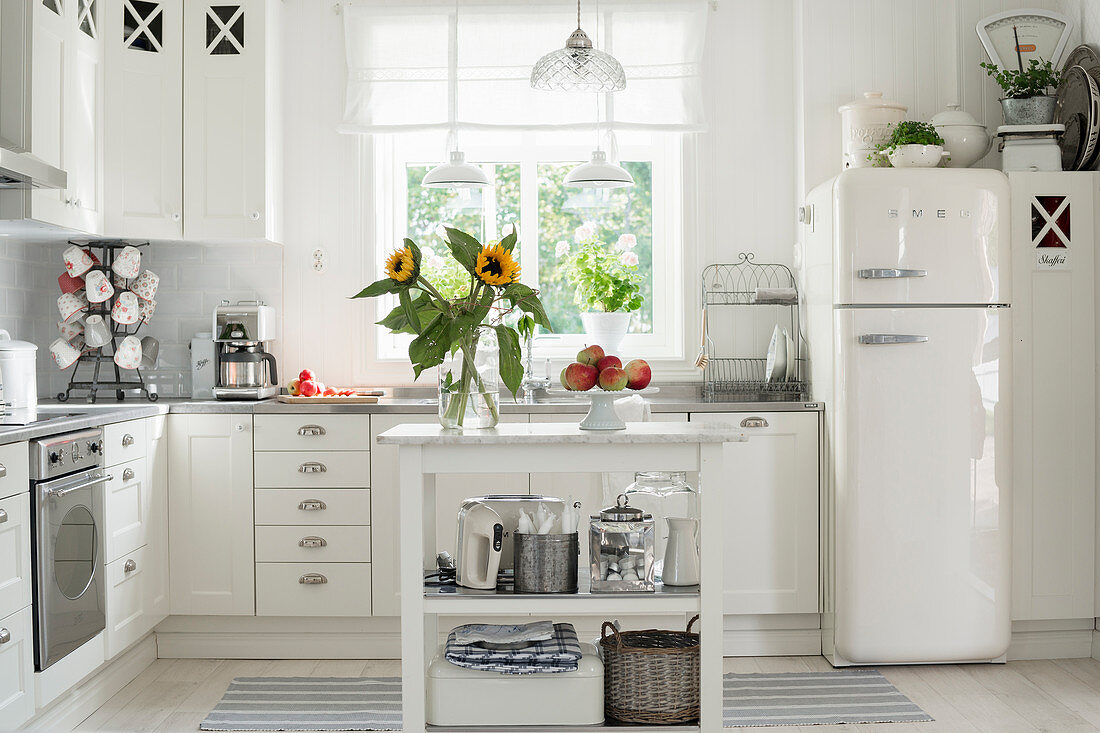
(400, 265)
(495, 266)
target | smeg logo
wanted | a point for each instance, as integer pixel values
(932, 213)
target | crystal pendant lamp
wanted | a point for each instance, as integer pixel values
(578, 67)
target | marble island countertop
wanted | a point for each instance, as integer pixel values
(564, 433)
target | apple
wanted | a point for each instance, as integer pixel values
(292, 387)
(330, 392)
(590, 355)
(612, 379)
(579, 377)
(608, 361)
(564, 381)
(320, 387)
(308, 388)
(307, 374)
(638, 374)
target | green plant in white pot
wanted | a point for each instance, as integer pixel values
(913, 145)
(1027, 99)
(607, 284)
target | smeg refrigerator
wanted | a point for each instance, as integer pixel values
(906, 282)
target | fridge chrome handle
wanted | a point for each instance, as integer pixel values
(876, 339)
(886, 273)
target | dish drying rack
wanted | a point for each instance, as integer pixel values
(729, 378)
(96, 357)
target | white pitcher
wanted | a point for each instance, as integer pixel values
(681, 552)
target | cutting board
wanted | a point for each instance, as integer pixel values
(356, 400)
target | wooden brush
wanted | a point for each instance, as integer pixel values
(702, 359)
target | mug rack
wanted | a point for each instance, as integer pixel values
(94, 358)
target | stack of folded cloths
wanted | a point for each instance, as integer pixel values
(541, 647)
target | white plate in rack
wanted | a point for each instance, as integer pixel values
(775, 366)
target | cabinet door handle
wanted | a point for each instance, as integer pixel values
(127, 440)
(886, 273)
(312, 579)
(3, 470)
(3, 516)
(310, 430)
(5, 636)
(313, 542)
(312, 505)
(128, 474)
(255, 216)
(877, 339)
(129, 566)
(176, 216)
(754, 422)
(312, 467)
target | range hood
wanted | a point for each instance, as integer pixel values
(23, 170)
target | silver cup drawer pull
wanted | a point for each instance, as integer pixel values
(754, 422)
(312, 579)
(310, 430)
(5, 636)
(3, 516)
(127, 440)
(3, 470)
(128, 474)
(129, 566)
(312, 467)
(309, 542)
(878, 339)
(889, 273)
(312, 505)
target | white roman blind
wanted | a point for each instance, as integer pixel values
(411, 67)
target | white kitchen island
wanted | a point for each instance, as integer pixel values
(427, 450)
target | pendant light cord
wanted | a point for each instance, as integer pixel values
(578, 14)
(453, 142)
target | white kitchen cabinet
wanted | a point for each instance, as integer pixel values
(143, 152)
(211, 514)
(771, 512)
(128, 617)
(66, 104)
(157, 585)
(127, 510)
(231, 132)
(15, 552)
(450, 492)
(16, 669)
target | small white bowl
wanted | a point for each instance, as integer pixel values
(916, 156)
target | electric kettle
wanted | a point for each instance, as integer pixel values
(480, 539)
(18, 375)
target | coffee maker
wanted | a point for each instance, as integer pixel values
(243, 368)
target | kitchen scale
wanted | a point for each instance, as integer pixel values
(1013, 39)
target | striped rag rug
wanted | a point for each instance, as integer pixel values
(815, 698)
(308, 703)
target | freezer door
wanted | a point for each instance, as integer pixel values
(921, 236)
(922, 445)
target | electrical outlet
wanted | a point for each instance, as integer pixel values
(320, 260)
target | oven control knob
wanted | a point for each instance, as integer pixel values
(57, 456)
(95, 447)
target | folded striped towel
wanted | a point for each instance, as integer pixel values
(560, 653)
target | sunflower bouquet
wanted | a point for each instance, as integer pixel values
(452, 327)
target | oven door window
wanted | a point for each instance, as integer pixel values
(75, 553)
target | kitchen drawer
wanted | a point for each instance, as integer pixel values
(281, 589)
(124, 441)
(16, 669)
(127, 508)
(322, 469)
(318, 431)
(313, 544)
(127, 619)
(14, 469)
(312, 506)
(15, 554)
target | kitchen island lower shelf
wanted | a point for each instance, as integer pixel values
(427, 450)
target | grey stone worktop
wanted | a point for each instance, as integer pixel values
(409, 400)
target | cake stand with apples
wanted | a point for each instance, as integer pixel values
(594, 368)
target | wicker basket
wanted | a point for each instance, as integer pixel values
(650, 676)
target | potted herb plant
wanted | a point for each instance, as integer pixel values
(1026, 100)
(607, 284)
(912, 145)
(464, 334)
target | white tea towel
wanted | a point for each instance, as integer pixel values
(634, 408)
(776, 295)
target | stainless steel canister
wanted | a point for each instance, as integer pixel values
(545, 563)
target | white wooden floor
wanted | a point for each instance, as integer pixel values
(1060, 696)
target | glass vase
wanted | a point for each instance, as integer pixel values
(663, 494)
(469, 383)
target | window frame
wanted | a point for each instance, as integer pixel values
(392, 153)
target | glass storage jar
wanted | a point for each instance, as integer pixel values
(663, 494)
(621, 549)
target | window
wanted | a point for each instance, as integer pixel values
(527, 169)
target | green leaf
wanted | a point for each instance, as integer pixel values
(428, 350)
(526, 299)
(509, 241)
(511, 368)
(381, 287)
(464, 248)
(411, 315)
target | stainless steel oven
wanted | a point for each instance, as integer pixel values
(67, 485)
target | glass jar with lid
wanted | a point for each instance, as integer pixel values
(663, 494)
(621, 548)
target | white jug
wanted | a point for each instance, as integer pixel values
(18, 376)
(681, 552)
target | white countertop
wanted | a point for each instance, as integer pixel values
(564, 433)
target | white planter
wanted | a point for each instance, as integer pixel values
(916, 156)
(606, 329)
(866, 123)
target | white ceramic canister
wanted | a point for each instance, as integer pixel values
(18, 375)
(865, 124)
(967, 140)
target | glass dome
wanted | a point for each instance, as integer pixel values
(578, 68)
